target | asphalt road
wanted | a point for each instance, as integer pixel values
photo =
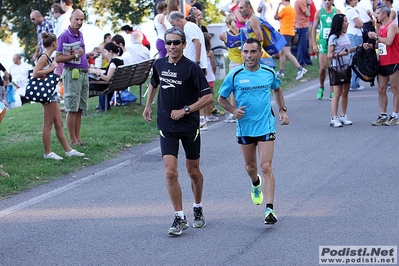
(334, 186)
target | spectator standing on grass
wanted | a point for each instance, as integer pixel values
(265, 10)
(195, 47)
(205, 113)
(226, 9)
(10, 90)
(312, 11)
(155, 6)
(253, 26)
(74, 75)
(67, 6)
(233, 39)
(173, 5)
(19, 72)
(339, 48)
(388, 58)
(355, 36)
(57, 12)
(301, 27)
(51, 110)
(197, 15)
(393, 16)
(42, 25)
(287, 29)
(113, 53)
(160, 27)
(184, 91)
(252, 85)
(323, 18)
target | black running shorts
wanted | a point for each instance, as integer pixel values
(255, 140)
(190, 140)
(388, 70)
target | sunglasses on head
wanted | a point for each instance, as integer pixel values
(175, 42)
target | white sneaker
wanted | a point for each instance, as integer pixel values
(211, 118)
(300, 73)
(344, 120)
(280, 74)
(335, 122)
(53, 155)
(357, 89)
(203, 126)
(230, 119)
(74, 153)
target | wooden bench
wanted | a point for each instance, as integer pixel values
(141, 75)
(124, 77)
(119, 81)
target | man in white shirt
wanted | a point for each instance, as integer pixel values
(64, 20)
(355, 35)
(57, 12)
(195, 49)
(138, 51)
(20, 73)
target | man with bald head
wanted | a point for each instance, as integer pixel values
(42, 25)
(71, 52)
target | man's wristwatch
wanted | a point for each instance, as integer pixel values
(76, 56)
(186, 109)
(376, 37)
(283, 108)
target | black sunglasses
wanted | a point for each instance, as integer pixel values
(175, 42)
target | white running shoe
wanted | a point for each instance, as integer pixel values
(230, 119)
(74, 153)
(345, 121)
(300, 73)
(335, 122)
(53, 155)
(211, 118)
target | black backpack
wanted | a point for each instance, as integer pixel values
(365, 64)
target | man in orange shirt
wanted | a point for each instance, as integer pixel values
(302, 28)
(287, 20)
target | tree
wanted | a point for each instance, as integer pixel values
(15, 16)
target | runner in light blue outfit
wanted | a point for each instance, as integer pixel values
(247, 86)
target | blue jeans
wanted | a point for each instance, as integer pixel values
(302, 53)
(355, 41)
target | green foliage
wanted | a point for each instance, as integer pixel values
(122, 11)
(211, 12)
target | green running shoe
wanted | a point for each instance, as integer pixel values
(320, 93)
(256, 193)
(270, 216)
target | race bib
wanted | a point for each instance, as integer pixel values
(382, 49)
(326, 32)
